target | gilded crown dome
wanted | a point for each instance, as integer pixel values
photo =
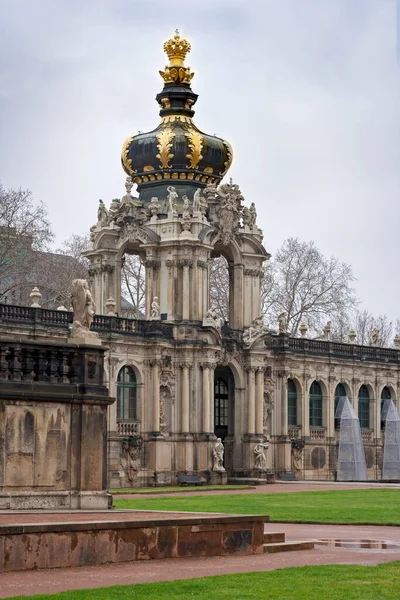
(176, 151)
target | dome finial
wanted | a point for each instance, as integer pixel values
(176, 49)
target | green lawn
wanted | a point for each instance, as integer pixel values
(180, 489)
(376, 506)
(333, 582)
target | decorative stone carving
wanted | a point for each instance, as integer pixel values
(297, 456)
(246, 216)
(102, 214)
(303, 329)
(110, 306)
(283, 323)
(260, 461)
(167, 380)
(228, 212)
(199, 202)
(84, 310)
(172, 198)
(351, 336)
(186, 220)
(212, 319)
(35, 295)
(268, 405)
(218, 455)
(155, 309)
(163, 419)
(255, 330)
(154, 207)
(396, 341)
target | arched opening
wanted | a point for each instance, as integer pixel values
(133, 286)
(340, 391)
(126, 395)
(224, 403)
(315, 405)
(219, 287)
(363, 407)
(385, 395)
(292, 403)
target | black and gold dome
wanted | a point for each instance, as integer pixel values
(176, 152)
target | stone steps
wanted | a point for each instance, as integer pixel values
(273, 536)
(287, 546)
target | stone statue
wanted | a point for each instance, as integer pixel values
(218, 454)
(246, 216)
(154, 207)
(327, 331)
(252, 215)
(155, 309)
(283, 323)
(375, 336)
(260, 458)
(114, 208)
(84, 310)
(163, 420)
(352, 336)
(172, 197)
(186, 204)
(102, 214)
(256, 328)
(212, 319)
(197, 200)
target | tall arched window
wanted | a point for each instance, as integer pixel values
(221, 414)
(340, 391)
(126, 394)
(385, 395)
(315, 405)
(363, 407)
(292, 402)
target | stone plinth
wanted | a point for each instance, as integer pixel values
(50, 545)
(53, 426)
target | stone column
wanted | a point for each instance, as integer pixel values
(284, 403)
(186, 296)
(155, 373)
(171, 310)
(259, 400)
(149, 286)
(211, 395)
(185, 398)
(251, 401)
(306, 407)
(206, 399)
(330, 421)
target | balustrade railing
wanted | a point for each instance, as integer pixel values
(128, 427)
(367, 435)
(294, 433)
(41, 362)
(283, 343)
(317, 434)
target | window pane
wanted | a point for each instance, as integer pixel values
(315, 405)
(292, 403)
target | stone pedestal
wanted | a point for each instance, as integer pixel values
(218, 478)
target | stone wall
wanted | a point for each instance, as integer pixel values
(53, 426)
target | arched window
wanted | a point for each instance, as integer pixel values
(221, 415)
(363, 407)
(385, 395)
(292, 402)
(126, 395)
(340, 391)
(315, 405)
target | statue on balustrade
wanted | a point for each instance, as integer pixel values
(84, 310)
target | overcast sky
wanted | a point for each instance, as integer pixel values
(306, 91)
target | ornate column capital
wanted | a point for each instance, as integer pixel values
(202, 264)
(152, 264)
(107, 268)
(156, 362)
(207, 365)
(170, 263)
(185, 262)
(184, 365)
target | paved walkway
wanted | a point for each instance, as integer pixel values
(56, 580)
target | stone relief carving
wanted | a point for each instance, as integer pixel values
(260, 460)
(228, 212)
(84, 310)
(167, 380)
(164, 396)
(131, 456)
(297, 456)
(268, 406)
(218, 455)
(154, 207)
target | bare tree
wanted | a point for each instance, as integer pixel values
(24, 231)
(306, 285)
(133, 285)
(365, 322)
(219, 286)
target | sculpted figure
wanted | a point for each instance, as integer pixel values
(327, 331)
(186, 204)
(252, 215)
(102, 213)
(375, 336)
(218, 453)
(260, 458)
(197, 200)
(154, 206)
(155, 309)
(172, 197)
(283, 324)
(84, 309)
(211, 318)
(246, 216)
